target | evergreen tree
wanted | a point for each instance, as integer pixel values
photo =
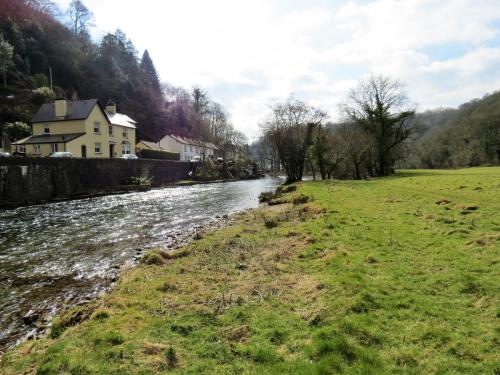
(149, 70)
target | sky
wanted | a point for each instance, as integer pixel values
(248, 54)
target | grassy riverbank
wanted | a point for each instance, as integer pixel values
(393, 275)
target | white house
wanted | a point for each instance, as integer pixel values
(188, 148)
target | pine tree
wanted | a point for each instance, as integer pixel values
(152, 76)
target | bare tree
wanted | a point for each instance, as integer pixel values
(80, 18)
(175, 94)
(290, 128)
(380, 107)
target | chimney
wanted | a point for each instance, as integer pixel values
(111, 107)
(61, 106)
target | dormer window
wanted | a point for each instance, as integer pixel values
(97, 127)
(46, 129)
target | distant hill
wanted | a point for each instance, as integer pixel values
(466, 136)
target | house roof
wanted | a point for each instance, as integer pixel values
(192, 141)
(120, 119)
(152, 146)
(48, 138)
(80, 110)
(77, 110)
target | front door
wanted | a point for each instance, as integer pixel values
(84, 151)
(111, 150)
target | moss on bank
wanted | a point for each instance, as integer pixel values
(360, 277)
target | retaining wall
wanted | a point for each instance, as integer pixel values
(36, 180)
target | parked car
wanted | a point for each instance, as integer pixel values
(61, 154)
(4, 154)
(129, 156)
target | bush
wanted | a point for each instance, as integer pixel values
(152, 258)
(156, 154)
(286, 189)
(266, 196)
(301, 199)
(270, 223)
(43, 95)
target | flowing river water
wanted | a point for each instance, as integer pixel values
(58, 254)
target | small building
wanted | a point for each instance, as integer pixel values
(188, 148)
(82, 127)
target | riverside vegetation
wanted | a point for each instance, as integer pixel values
(390, 275)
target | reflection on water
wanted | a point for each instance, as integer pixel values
(50, 254)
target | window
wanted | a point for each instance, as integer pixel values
(111, 130)
(97, 127)
(22, 148)
(36, 149)
(191, 147)
(125, 133)
(54, 147)
(46, 129)
(126, 148)
(97, 148)
(185, 148)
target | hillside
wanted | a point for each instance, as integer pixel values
(462, 137)
(38, 47)
(391, 275)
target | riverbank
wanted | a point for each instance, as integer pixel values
(389, 275)
(60, 254)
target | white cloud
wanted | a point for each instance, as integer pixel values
(442, 50)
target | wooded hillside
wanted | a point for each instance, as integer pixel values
(37, 39)
(463, 137)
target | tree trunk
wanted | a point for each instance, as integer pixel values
(311, 165)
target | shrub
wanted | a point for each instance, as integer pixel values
(266, 196)
(288, 189)
(270, 223)
(301, 199)
(152, 258)
(43, 95)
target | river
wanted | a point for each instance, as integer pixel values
(57, 254)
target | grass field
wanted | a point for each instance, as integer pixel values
(392, 275)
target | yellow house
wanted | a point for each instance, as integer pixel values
(82, 127)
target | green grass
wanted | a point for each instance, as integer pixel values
(394, 275)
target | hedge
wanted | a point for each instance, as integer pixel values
(155, 154)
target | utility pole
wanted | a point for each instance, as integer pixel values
(50, 74)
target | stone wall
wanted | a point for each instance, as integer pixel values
(36, 180)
